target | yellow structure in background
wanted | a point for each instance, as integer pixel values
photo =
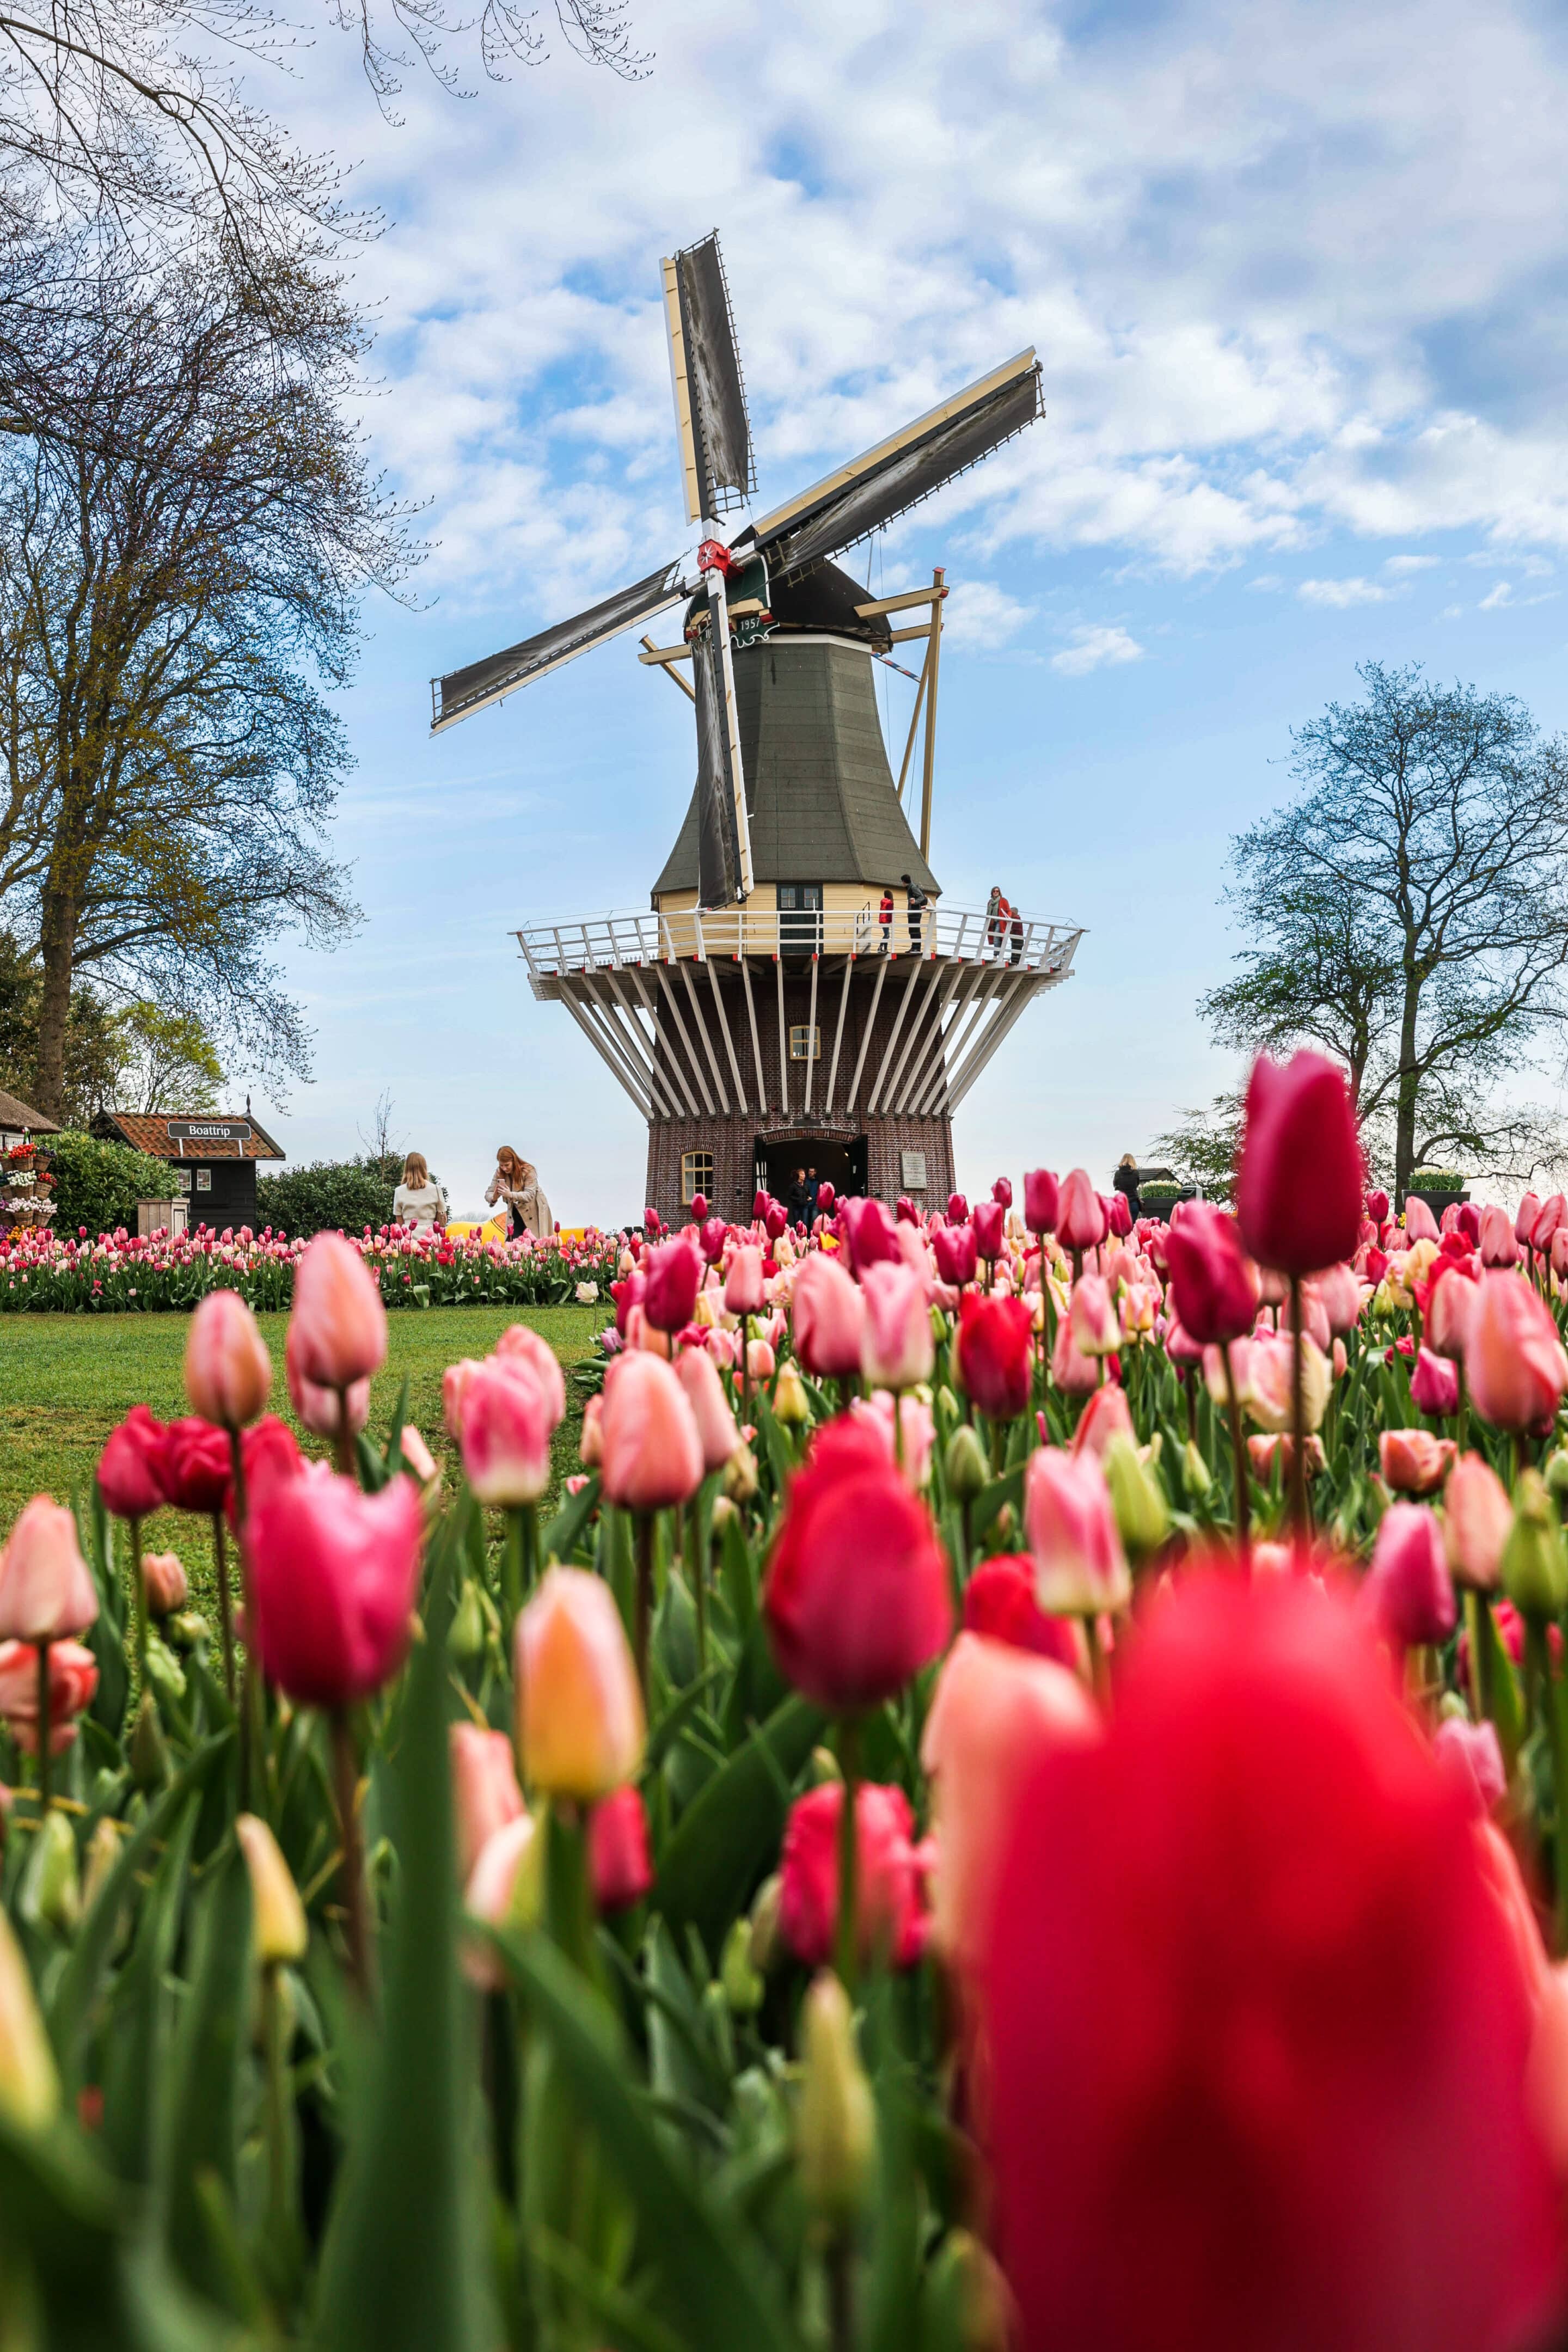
(469, 1229)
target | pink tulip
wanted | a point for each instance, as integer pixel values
(454, 1387)
(1450, 1301)
(1095, 1330)
(1314, 1317)
(47, 1591)
(417, 1458)
(490, 1896)
(73, 1679)
(916, 1431)
(1420, 1224)
(1560, 1253)
(1072, 1372)
(760, 1361)
(1469, 1753)
(1414, 1461)
(1478, 1518)
(652, 1453)
(1434, 1385)
(1552, 1215)
(957, 1253)
(1041, 1199)
(228, 1372)
(580, 1716)
(1407, 1593)
(591, 1444)
(1072, 1530)
(743, 1288)
(337, 1318)
(896, 1346)
(1299, 1183)
(507, 1429)
(995, 1711)
(519, 1344)
(1513, 1357)
(673, 1270)
(829, 1314)
(323, 1412)
(1107, 1414)
(331, 1578)
(986, 1221)
(1118, 1213)
(165, 1581)
(1498, 1243)
(1524, 1220)
(1081, 1213)
(705, 1392)
(485, 1794)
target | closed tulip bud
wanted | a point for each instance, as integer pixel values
(1138, 1499)
(1196, 1475)
(47, 1592)
(764, 1942)
(896, 1346)
(674, 1270)
(166, 1583)
(1081, 1213)
(760, 1360)
(51, 1884)
(1072, 1372)
(1476, 1520)
(1377, 1207)
(829, 1316)
(507, 1429)
(965, 1467)
(1534, 1564)
(1414, 1461)
(29, 2086)
(1041, 1195)
(505, 1889)
(339, 1324)
(620, 1865)
(964, 2301)
(485, 1794)
(332, 1576)
(1513, 1357)
(591, 1444)
(1408, 1593)
(469, 1637)
(417, 1458)
(957, 1254)
(1469, 1753)
(957, 1209)
(520, 1344)
(995, 1355)
(791, 1405)
(326, 1413)
(652, 1451)
(744, 1987)
(1095, 1328)
(148, 1754)
(740, 1480)
(1498, 1245)
(1002, 1192)
(102, 1853)
(1298, 1184)
(986, 1222)
(744, 1285)
(1072, 1533)
(1420, 1224)
(580, 1714)
(228, 1372)
(1450, 1302)
(836, 2122)
(454, 1388)
(133, 1476)
(1434, 1385)
(1525, 1218)
(704, 1390)
(279, 1933)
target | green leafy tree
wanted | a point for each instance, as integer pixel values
(97, 1185)
(170, 1063)
(328, 1196)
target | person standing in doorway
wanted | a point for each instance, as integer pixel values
(918, 902)
(516, 1187)
(885, 916)
(1126, 1182)
(811, 1189)
(420, 1199)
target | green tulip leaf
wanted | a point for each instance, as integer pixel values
(730, 1832)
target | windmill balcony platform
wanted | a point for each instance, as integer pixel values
(806, 1017)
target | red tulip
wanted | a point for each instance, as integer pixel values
(986, 1221)
(1118, 1213)
(485, 1794)
(1513, 1357)
(1040, 1199)
(654, 1224)
(130, 1473)
(956, 1252)
(1377, 1207)
(830, 1317)
(228, 1372)
(776, 1221)
(331, 1580)
(889, 1885)
(868, 1235)
(619, 1862)
(856, 1596)
(650, 1451)
(1255, 2035)
(507, 1425)
(1299, 1186)
(339, 1324)
(1434, 1385)
(1496, 1244)
(1000, 1602)
(957, 1209)
(1468, 1221)
(1214, 1286)
(195, 1464)
(627, 1294)
(47, 1591)
(995, 1355)
(1407, 1593)
(73, 1679)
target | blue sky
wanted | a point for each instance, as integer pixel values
(1296, 277)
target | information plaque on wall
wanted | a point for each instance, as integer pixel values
(914, 1170)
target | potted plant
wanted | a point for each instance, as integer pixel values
(1440, 1188)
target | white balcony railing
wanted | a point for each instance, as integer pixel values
(943, 934)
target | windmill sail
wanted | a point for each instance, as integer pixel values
(464, 691)
(718, 842)
(716, 469)
(899, 473)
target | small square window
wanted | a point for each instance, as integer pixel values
(696, 1176)
(182, 1179)
(203, 1180)
(804, 1044)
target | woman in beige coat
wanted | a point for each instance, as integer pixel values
(516, 1183)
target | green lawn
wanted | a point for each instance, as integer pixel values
(69, 1379)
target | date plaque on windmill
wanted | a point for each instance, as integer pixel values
(912, 1168)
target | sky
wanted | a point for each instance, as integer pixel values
(1296, 279)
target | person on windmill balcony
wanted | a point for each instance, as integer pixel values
(420, 1199)
(918, 903)
(516, 1187)
(996, 920)
(885, 916)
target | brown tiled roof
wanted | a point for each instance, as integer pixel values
(148, 1132)
(14, 1113)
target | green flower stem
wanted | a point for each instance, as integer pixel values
(1239, 1462)
(356, 1909)
(1298, 1521)
(512, 1572)
(224, 1602)
(1480, 1655)
(139, 1602)
(644, 1612)
(695, 1531)
(846, 1943)
(46, 1731)
(278, 2105)
(252, 1700)
(344, 1443)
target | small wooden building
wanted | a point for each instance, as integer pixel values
(212, 1161)
(20, 1123)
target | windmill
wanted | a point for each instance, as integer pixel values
(796, 852)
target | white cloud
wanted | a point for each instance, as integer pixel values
(1094, 648)
(980, 614)
(1497, 597)
(1342, 594)
(1403, 565)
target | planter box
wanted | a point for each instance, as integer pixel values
(1438, 1202)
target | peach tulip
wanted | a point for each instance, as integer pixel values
(47, 1591)
(228, 1372)
(580, 1713)
(1414, 1461)
(1477, 1518)
(651, 1448)
(73, 1679)
(704, 1390)
(339, 1324)
(164, 1580)
(485, 1794)
(1513, 1357)
(324, 1412)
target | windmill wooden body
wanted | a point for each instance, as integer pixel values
(796, 995)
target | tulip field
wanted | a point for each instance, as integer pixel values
(1017, 1795)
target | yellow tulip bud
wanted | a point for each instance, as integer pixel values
(580, 1714)
(29, 2086)
(792, 1406)
(836, 2122)
(279, 1930)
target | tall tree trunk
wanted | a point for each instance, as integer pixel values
(1409, 1083)
(58, 943)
